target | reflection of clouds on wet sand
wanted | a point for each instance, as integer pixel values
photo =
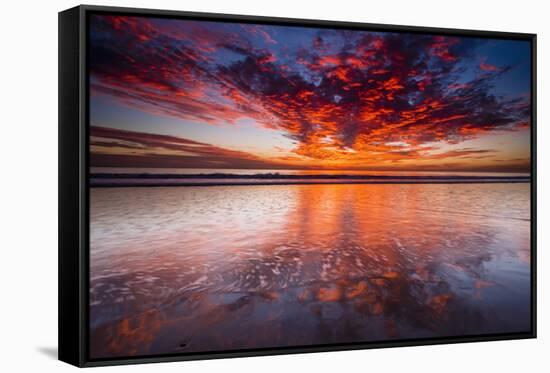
(195, 269)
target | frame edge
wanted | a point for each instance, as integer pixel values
(69, 247)
(72, 108)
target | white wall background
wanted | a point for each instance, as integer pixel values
(28, 186)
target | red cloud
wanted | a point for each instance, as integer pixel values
(488, 67)
(440, 47)
(339, 105)
(261, 31)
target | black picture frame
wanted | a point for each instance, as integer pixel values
(73, 184)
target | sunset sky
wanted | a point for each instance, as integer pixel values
(189, 94)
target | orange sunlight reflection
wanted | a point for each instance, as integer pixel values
(188, 269)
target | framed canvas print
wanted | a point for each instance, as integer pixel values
(238, 186)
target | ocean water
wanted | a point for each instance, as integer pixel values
(190, 269)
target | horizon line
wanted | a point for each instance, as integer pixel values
(276, 175)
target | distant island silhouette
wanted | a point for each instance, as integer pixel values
(213, 179)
